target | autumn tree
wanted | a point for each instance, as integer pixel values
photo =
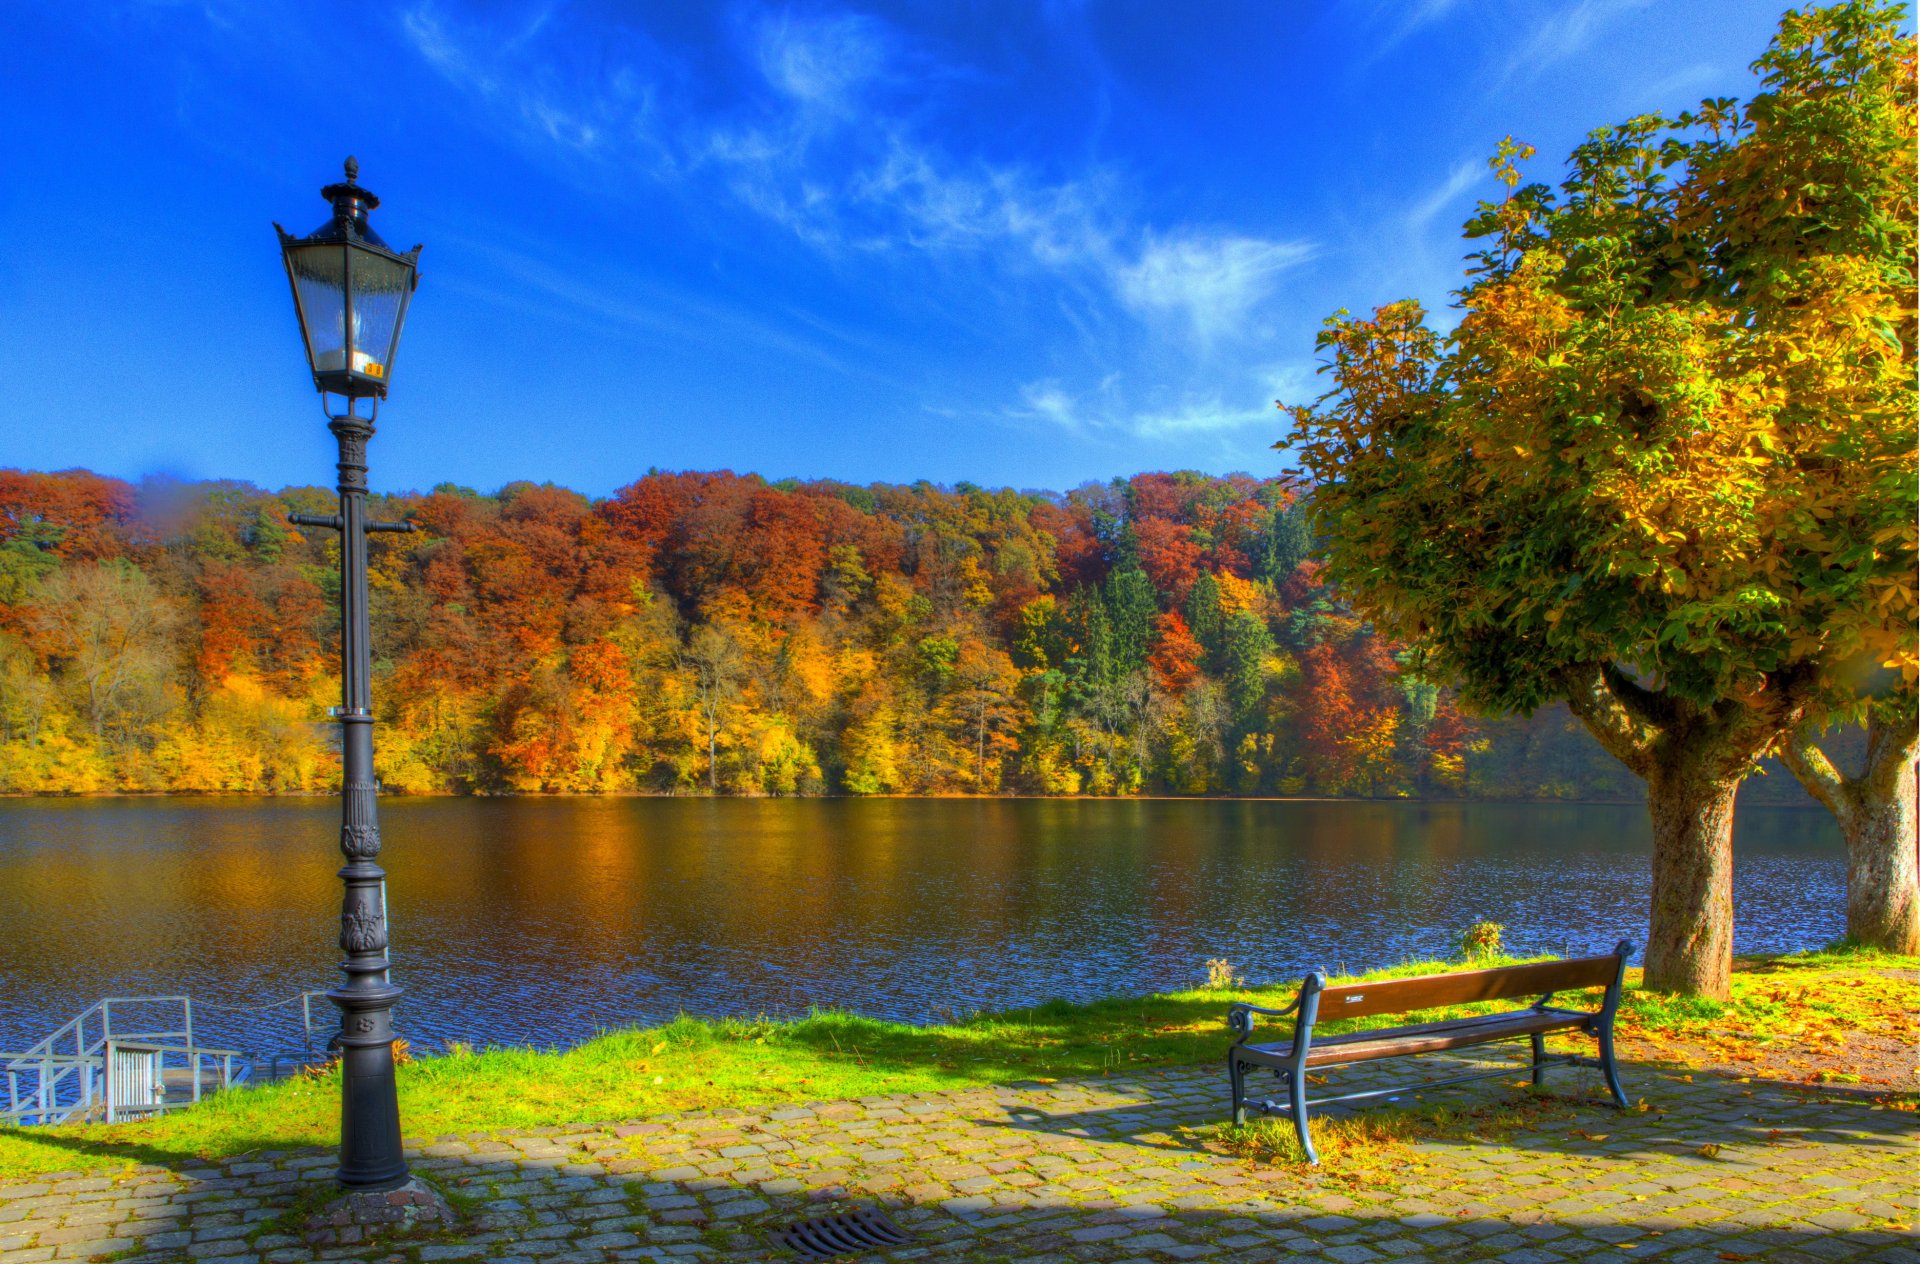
(1875, 810)
(110, 636)
(984, 700)
(716, 666)
(1663, 466)
(1176, 656)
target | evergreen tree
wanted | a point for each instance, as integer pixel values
(1204, 619)
(1131, 606)
(1247, 646)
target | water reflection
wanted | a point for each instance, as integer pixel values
(540, 921)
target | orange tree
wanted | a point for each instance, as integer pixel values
(1663, 467)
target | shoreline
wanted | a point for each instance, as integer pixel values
(1780, 1024)
(395, 797)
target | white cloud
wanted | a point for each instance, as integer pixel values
(1568, 31)
(826, 137)
(821, 62)
(1412, 17)
(1463, 177)
(597, 109)
(1045, 401)
(1665, 93)
(1206, 416)
(1105, 409)
(1212, 281)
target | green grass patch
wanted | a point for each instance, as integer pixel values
(1813, 998)
(695, 1063)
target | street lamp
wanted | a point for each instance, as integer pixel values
(350, 290)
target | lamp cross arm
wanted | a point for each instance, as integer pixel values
(333, 522)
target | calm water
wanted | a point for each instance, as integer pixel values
(541, 921)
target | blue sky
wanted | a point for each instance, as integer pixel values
(1018, 244)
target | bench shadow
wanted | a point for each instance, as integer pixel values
(1570, 1114)
(1108, 1124)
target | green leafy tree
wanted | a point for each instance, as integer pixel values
(1663, 467)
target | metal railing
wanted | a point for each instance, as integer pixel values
(88, 1069)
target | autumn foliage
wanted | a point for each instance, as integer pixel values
(716, 633)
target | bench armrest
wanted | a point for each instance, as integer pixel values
(1240, 1017)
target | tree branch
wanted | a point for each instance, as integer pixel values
(1624, 728)
(1893, 743)
(1816, 772)
(1651, 709)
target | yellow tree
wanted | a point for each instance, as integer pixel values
(1663, 467)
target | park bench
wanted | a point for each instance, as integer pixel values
(1308, 1051)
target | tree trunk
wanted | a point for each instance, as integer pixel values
(1882, 881)
(1690, 939)
(1877, 818)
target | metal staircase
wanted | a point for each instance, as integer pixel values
(125, 1057)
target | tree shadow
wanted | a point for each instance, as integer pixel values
(144, 1153)
(615, 1191)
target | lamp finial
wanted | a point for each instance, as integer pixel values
(353, 168)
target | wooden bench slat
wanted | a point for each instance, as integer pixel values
(1400, 996)
(1458, 1033)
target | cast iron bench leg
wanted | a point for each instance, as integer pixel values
(1237, 1080)
(1297, 1096)
(1539, 1054)
(1610, 1068)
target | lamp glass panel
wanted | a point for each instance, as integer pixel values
(320, 283)
(380, 289)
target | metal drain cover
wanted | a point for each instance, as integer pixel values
(847, 1233)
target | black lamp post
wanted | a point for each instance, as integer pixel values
(351, 290)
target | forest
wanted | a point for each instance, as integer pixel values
(714, 633)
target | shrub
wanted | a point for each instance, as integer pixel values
(1480, 941)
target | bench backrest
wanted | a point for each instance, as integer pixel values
(1398, 996)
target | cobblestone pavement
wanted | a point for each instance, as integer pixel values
(1105, 1170)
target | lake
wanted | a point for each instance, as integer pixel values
(541, 921)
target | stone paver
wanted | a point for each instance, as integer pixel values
(1111, 1170)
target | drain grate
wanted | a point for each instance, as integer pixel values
(861, 1229)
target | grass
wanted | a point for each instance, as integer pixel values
(1811, 999)
(695, 1063)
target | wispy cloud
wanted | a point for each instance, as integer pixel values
(828, 132)
(1567, 32)
(829, 154)
(1666, 93)
(1211, 281)
(1411, 17)
(1204, 416)
(601, 110)
(1463, 177)
(1105, 410)
(822, 62)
